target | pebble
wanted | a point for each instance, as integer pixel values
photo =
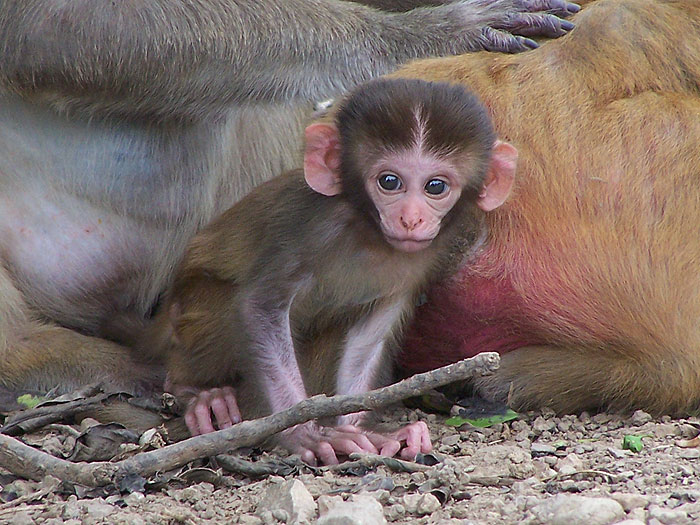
(452, 440)
(564, 425)
(569, 465)
(664, 430)
(292, 498)
(542, 425)
(542, 448)
(460, 512)
(135, 498)
(565, 509)
(71, 510)
(249, 519)
(326, 502)
(98, 509)
(617, 453)
(638, 514)
(640, 418)
(668, 516)
(421, 504)
(395, 512)
(689, 453)
(630, 501)
(22, 518)
(360, 509)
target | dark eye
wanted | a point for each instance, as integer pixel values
(389, 182)
(436, 187)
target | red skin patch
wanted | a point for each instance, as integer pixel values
(464, 317)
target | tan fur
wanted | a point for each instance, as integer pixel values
(125, 127)
(600, 239)
(210, 347)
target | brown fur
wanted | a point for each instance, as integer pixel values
(600, 240)
(284, 242)
(125, 127)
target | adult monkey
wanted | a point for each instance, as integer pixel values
(126, 126)
(589, 282)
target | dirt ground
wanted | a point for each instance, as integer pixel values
(536, 469)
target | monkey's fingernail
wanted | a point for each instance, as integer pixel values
(527, 42)
(573, 8)
(566, 25)
(236, 419)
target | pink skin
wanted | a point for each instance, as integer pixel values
(219, 402)
(315, 444)
(410, 216)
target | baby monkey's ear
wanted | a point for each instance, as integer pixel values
(500, 176)
(322, 159)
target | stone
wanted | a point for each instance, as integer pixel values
(542, 425)
(421, 504)
(640, 418)
(427, 505)
(325, 503)
(134, 499)
(98, 509)
(21, 518)
(618, 453)
(668, 516)
(249, 519)
(292, 498)
(566, 509)
(638, 514)
(72, 510)
(542, 448)
(452, 440)
(360, 509)
(630, 501)
(569, 465)
(662, 430)
(395, 512)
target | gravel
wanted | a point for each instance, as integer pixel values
(538, 469)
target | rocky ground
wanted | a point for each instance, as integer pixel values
(536, 469)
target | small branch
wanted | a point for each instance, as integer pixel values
(491, 481)
(374, 460)
(39, 417)
(590, 473)
(28, 462)
(255, 469)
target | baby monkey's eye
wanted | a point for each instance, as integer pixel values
(389, 181)
(436, 187)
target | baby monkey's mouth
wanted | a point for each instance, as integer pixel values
(408, 244)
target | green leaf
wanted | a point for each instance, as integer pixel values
(29, 401)
(483, 422)
(633, 443)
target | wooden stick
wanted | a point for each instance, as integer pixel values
(25, 461)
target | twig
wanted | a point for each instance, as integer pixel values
(375, 460)
(25, 461)
(39, 417)
(255, 469)
(491, 481)
(602, 473)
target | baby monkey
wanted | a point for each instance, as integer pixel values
(336, 252)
